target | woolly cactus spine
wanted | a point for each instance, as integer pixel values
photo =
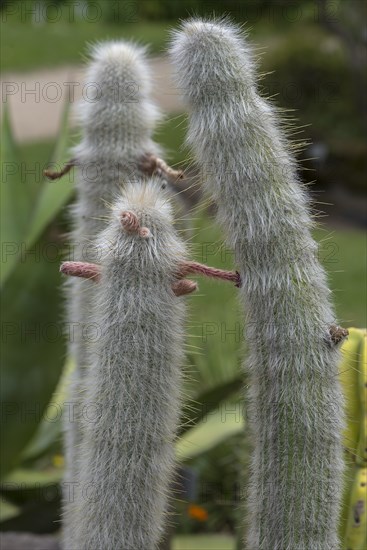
(117, 119)
(133, 384)
(294, 394)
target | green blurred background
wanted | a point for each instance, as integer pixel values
(312, 56)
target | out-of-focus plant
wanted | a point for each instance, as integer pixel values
(353, 375)
(33, 344)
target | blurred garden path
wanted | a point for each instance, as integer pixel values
(36, 99)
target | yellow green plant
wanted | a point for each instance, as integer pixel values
(353, 376)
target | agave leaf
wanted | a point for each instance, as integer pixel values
(54, 194)
(8, 510)
(32, 351)
(48, 432)
(194, 411)
(25, 478)
(15, 200)
(222, 423)
(50, 428)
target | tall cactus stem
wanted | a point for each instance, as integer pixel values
(295, 401)
(117, 119)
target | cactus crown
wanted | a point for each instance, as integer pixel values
(117, 98)
(144, 213)
(217, 53)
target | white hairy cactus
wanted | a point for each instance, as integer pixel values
(294, 395)
(133, 383)
(117, 119)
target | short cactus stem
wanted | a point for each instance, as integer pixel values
(134, 381)
(57, 174)
(88, 270)
(153, 165)
(149, 164)
(196, 268)
(84, 270)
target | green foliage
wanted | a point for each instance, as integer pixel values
(53, 195)
(33, 349)
(8, 510)
(33, 495)
(171, 135)
(311, 74)
(15, 204)
(353, 376)
(224, 421)
(222, 473)
(343, 254)
(204, 542)
(33, 344)
(26, 47)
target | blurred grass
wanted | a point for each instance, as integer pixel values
(345, 262)
(61, 40)
(204, 542)
(171, 134)
(26, 46)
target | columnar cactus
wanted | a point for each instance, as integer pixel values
(133, 383)
(117, 119)
(295, 400)
(353, 376)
